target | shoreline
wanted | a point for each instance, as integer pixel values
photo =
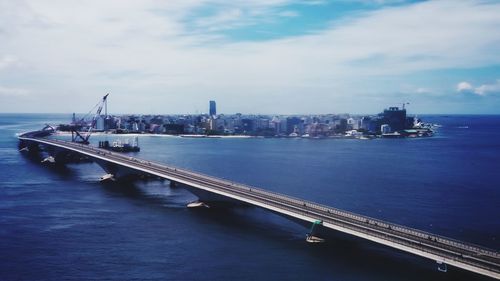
(63, 133)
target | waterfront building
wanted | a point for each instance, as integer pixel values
(142, 126)
(395, 118)
(212, 108)
(292, 124)
(342, 127)
(247, 125)
(135, 127)
(391, 120)
(385, 128)
(365, 123)
(99, 125)
(353, 124)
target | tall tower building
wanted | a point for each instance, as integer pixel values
(395, 118)
(212, 109)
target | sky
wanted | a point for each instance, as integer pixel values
(258, 56)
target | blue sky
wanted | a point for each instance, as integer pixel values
(273, 56)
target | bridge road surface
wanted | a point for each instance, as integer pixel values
(464, 255)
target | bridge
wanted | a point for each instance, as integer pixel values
(443, 250)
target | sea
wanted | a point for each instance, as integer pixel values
(61, 223)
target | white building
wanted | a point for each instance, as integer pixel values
(385, 129)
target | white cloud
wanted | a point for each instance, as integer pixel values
(422, 90)
(289, 14)
(146, 55)
(313, 2)
(236, 14)
(7, 61)
(483, 90)
(225, 19)
(464, 87)
(13, 92)
(410, 89)
(488, 89)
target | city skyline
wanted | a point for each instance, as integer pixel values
(263, 57)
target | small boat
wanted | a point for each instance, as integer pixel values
(197, 204)
(314, 239)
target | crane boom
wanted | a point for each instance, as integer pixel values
(85, 138)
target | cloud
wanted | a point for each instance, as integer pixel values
(7, 61)
(410, 89)
(13, 92)
(422, 90)
(464, 87)
(288, 14)
(483, 90)
(488, 89)
(214, 16)
(225, 19)
(313, 2)
(65, 46)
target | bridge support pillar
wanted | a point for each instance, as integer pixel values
(118, 172)
(49, 159)
(173, 184)
(198, 204)
(107, 177)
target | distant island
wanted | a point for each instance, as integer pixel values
(391, 123)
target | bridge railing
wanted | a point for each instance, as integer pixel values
(415, 245)
(359, 218)
(390, 226)
(307, 204)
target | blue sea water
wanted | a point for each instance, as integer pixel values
(62, 224)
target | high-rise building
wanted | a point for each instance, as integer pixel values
(291, 124)
(395, 118)
(212, 109)
(100, 123)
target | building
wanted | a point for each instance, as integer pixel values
(395, 118)
(385, 129)
(293, 124)
(247, 125)
(99, 126)
(212, 108)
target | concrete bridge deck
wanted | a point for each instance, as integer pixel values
(443, 250)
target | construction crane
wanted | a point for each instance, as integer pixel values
(79, 137)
